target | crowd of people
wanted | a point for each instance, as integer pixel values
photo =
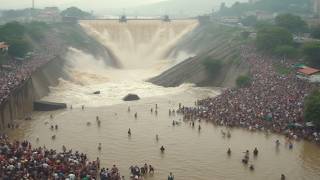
(19, 160)
(15, 72)
(273, 102)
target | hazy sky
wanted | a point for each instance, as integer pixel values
(89, 4)
(102, 7)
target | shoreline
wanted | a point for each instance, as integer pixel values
(273, 102)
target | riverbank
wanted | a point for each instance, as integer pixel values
(273, 102)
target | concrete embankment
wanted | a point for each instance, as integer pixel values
(20, 102)
(217, 43)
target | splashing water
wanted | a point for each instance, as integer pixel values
(138, 43)
(142, 47)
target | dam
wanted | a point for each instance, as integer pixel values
(142, 50)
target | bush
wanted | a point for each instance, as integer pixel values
(243, 81)
(312, 108)
(18, 47)
(286, 51)
(213, 66)
(312, 53)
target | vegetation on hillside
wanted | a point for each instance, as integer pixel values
(243, 81)
(75, 12)
(291, 22)
(312, 52)
(286, 51)
(312, 108)
(271, 6)
(14, 34)
(18, 36)
(271, 37)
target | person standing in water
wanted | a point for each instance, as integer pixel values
(162, 149)
(229, 151)
(129, 132)
(171, 176)
(255, 152)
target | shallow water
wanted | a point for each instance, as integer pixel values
(190, 154)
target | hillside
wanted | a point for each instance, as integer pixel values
(214, 43)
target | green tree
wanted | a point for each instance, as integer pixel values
(213, 66)
(75, 12)
(312, 108)
(312, 52)
(286, 51)
(291, 22)
(18, 47)
(315, 32)
(11, 30)
(269, 38)
(243, 81)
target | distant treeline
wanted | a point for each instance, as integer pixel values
(272, 6)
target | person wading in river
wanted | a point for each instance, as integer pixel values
(255, 152)
(162, 149)
(171, 176)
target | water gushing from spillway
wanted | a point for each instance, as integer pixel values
(138, 43)
(143, 48)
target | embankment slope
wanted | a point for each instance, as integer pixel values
(214, 42)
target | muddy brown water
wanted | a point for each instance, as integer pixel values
(189, 154)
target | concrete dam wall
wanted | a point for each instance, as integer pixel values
(20, 102)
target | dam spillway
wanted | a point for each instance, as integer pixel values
(143, 49)
(139, 43)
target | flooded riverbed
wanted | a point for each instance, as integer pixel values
(189, 154)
